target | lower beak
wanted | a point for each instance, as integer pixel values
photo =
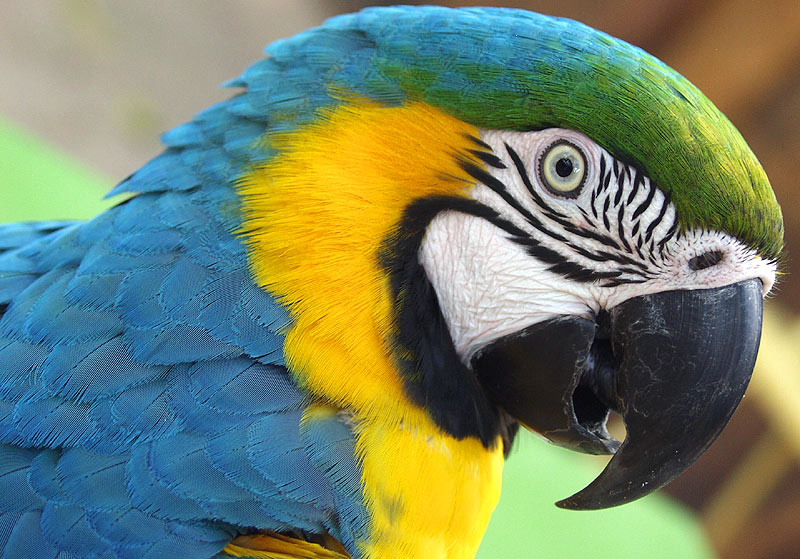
(674, 364)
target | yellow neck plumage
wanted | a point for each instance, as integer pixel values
(315, 218)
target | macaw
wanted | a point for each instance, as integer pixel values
(317, 321)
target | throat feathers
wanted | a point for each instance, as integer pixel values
(316, 217)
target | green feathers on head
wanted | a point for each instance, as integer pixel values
(506, 69)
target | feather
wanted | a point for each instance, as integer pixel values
(242, 386)
(43, 477)
(51, 421)
(176, 344)
(52, 319)
(180, 464)
(129, 528)
(27, 541)
(139, 413)
(151, 497)
(188, 134)
(278, 546)
(17, 496)
(93, 292)
(91, 370)
(276, 451)
(66, 528)
(93, 481)
(330, 444)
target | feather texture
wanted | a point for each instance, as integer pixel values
(150, 406)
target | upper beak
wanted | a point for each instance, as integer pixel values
(674, 364)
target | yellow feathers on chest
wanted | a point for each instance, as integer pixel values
(316, 216)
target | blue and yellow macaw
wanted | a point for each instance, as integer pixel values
(315, 325)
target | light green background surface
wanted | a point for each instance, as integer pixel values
(37, 182)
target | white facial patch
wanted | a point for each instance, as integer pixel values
(599, 233)
(487, 286)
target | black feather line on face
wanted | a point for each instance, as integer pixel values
(432, 373)
(589, 234)
(478, 142)
(621, 227)
(489, 158)
(645, 203)
(657, 220)
(669, 234)
(638, 180)
(601, 175)
(549, 211)
(620, 188)
(566, 267)
(499, 188)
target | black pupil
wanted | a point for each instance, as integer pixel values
(564, 167)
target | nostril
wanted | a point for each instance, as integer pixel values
(706, 260)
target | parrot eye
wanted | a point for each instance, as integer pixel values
(562, 169)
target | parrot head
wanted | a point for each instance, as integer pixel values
(542, 224)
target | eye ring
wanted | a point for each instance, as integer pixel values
(562, 169)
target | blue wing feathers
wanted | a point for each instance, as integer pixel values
(179, 462)
(52, 320)
(43, 476)
(66, 528)
(241, 386)
(329, 443)
(131, 381)
(178, 343)
(90, 370)
(93, 480)
(141, 413)
(13, 321)
(152, 497)
(15, 235)
(7, 523)
(18, 360)
(50, 422)
(17, 495)
(92, 291)
(129, 528)
(138, 302)
(184, 135)
(26, 540)
(12, 284)
(275, 450)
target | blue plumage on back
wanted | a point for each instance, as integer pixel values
(145, 407)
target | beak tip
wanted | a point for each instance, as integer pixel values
(671, 419)
(581, 502)
(586, 499)
(568, 504)
(597, 496)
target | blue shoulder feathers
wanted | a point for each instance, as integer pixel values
(145, 409)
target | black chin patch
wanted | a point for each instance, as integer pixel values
(433, 375)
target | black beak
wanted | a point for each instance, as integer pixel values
(674, 364)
